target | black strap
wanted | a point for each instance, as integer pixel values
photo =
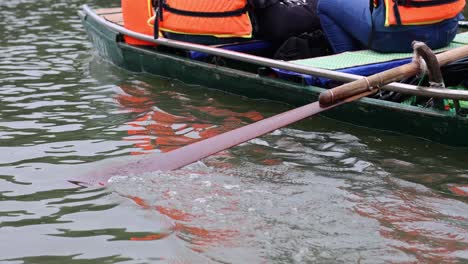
(396, 11)
(371, 35)
(158, 16)
(413, 3)
(232, 13)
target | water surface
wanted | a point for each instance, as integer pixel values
(319, 191)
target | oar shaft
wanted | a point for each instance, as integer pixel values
(191, 153)
(392, 75)
(452, 55)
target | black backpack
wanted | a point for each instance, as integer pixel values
(306, 45)
(278, 20)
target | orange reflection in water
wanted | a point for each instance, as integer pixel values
(459, 189)
(200, 238)
(156, 129)
(407, 217)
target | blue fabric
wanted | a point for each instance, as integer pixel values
(245, 47)
(363, 70)
(348, 25)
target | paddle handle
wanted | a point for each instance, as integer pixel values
(378, 80)
(339, 93)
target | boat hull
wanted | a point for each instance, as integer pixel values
(439, 126)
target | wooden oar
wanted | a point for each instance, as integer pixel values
(191, 153)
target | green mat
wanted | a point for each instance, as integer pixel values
(461, 38)
(364, 57)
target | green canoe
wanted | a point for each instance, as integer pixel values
(239, 74)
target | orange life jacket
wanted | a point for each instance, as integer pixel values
(135, 15)
(420, 12)
(220, 18)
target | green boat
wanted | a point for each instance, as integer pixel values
(263, 78)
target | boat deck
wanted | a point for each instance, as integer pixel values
(113, 15)
(365, 57)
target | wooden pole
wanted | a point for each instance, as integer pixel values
(376, 81)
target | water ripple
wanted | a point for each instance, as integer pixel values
(318, 192)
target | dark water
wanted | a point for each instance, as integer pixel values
(316, 192)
